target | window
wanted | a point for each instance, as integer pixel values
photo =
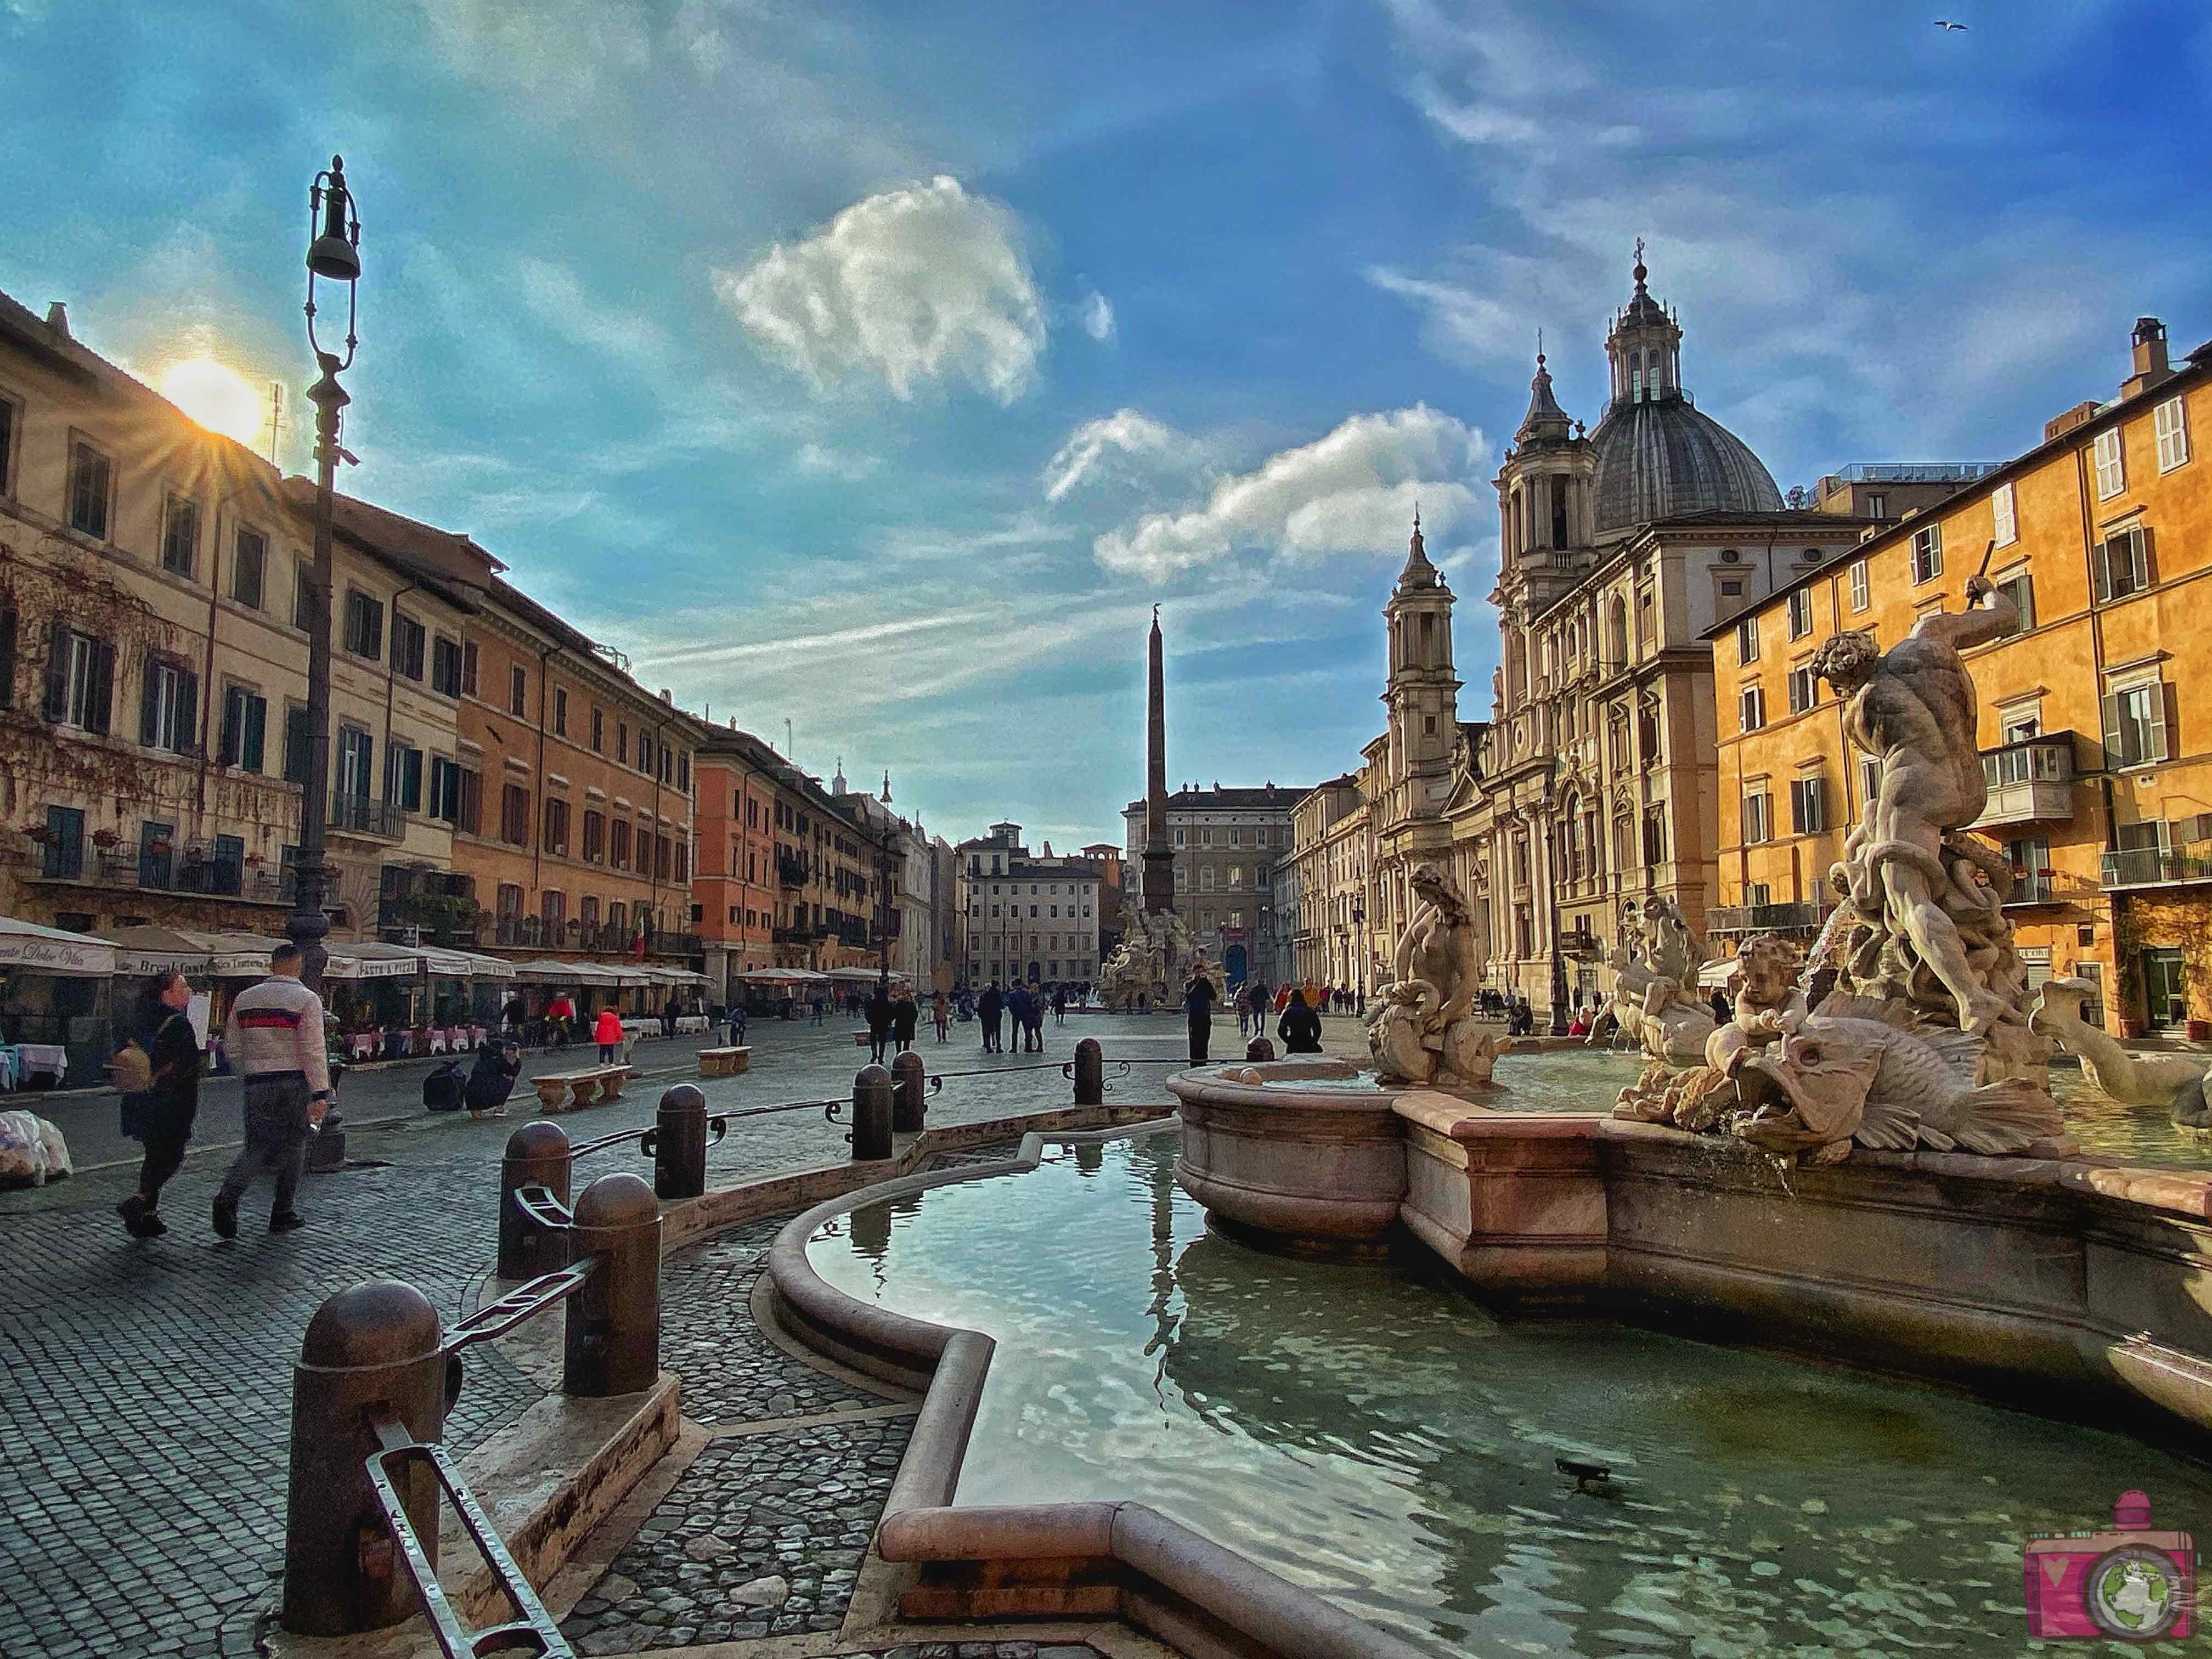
(683, 863)
(298, 747)
(553, 909)
(249, 559)
(2135, 724)
(2030, 857)
(1870, 776)
(2004, 519)
(408, 641)
(402, 777)
(1877, 507)
(168, 710)
(468, 668)
(2112, 465)
(88, 490)
(2121, 563)
(1758, 818)
(2020, 590)
(1746, 640)
(1860, 598)
(622, 751)
(226, 866)
(355, 750)
(557, 825)
(2170, 417)
(684, 774)
(1751, 707)
(364, 625)
(1804, 689)
(595, 838)
(518, 691)
(560, 711)
(180, 536)
(444, 789)
(1808, 805)
(1928, 553)
(7, 440)
(1800, 614)
(446, 666)
(618, 844)
(660, 857)
(80, 679)
(599, 732)
(644, 754)
(65, 848)
(245, 722)
(515, 815)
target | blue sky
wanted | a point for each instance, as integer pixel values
(878, 367)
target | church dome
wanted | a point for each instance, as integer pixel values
(1656, 459)
(1656, 456)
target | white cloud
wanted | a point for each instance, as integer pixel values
(1351, 491)
(1095, 312)
(1125, 431)
(922, 283)
(818, 460)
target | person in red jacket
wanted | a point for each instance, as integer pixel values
(607, 1032)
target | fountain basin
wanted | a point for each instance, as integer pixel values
(2080, 1286)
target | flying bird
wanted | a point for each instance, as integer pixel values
(1946, 23)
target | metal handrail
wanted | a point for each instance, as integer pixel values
(526, 1301)
(719, 1121)
(535, 1631)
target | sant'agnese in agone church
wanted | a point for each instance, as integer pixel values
(1592, 788)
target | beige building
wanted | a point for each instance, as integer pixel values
(1329, 830)
(155, 587)
(1226, 844)
(1028, 919)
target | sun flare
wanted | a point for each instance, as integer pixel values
(217, 395)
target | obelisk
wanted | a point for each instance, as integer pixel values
(1159, 856)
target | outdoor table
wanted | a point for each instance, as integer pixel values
(688, 1022)
(34, 1058)
(7, 1066)
(363, 1045)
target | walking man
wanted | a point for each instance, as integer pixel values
(275, 1039)
(164, 1112)
(990, 1008)
(878, 1011)
(905, 1016)
(1198, 999)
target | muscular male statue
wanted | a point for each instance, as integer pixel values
(1913, 705)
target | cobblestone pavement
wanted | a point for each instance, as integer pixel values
(147, 1391)
(983, 1651)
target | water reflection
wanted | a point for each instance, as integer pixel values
(1377, 1436)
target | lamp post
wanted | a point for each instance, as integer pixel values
(883, 912)
(1558, 974)
(334, 256)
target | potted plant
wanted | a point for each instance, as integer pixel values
(158, 848)
(38, 832)
(105, 838)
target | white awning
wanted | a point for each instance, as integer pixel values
(369, 959)
(449, 963)
(144, 951)
(783, 976)
(1717, 973)
(28, 948)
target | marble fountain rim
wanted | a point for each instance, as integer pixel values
(921, 1522)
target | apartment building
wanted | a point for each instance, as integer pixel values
(153, 609)
(1226, 844)
(735, 893)
(2095, 721)
(1328, 832)
(1031, 918)
(574, 810)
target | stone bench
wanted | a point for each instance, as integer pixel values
(724, 1062)
(587, 1087)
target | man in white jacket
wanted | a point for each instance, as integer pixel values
(275, 1041)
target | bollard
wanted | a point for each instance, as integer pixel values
(1259, 1049)
(1090, 1073)
(871, 1114)
(909, 1093)
(376, 1344)
(537, 1156)
(612, 1344)
(678, 1142)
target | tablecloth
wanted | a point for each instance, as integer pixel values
(34, 1058)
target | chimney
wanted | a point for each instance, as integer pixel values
(2149, 362)
(2069, 419)
(58, 319)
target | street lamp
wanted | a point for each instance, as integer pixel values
(334, 256)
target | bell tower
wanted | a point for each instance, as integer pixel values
(1422, 693)
(1546, 518)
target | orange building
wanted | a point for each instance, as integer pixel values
(575, 811)
(734, 890)
(2095, 722)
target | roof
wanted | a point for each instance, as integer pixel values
(2196, 367)
(1272, 798)
(453, 565)
(1663, 457)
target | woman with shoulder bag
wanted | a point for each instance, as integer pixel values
(160, 1114)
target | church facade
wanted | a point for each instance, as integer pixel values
(1592, 788)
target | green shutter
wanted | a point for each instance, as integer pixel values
(257, 720)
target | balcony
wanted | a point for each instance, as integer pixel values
(2031, 782)
(2157, 867)
(2031, 888)
(1801, 917)
(659, 943)
(790, 871)
(358, 815)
